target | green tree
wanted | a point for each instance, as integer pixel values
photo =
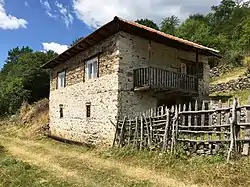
(148, 23)
(170, 24)
(23, 79)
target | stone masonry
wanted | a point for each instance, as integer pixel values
(111, 94)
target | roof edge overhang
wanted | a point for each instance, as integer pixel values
(118, 24)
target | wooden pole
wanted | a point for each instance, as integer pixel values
(116, 132)
(247, 131)
(129, 132)
(148, 133)
(232, 133)
(122, 131)
(136, 133)
(141, 141)
(165, 138)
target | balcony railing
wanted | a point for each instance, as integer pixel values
(155, 78)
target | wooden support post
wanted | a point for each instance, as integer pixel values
(218, 123)
(148, 133)
(141, 140)
(129, 131)
(190, 119)
(136, 132)
(210, 123)
(151, 130)
(195, 117)
(247, 131)
(237, 127)
(165, 138)
(116, 132)
(232, 130)
(122, 131)
(174, 131)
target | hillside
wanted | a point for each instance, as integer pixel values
(232, 83)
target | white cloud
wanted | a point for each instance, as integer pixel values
(95, 12)
(47, 8)
(58, 11)
(65, 14)
(8, 21)
(56, 47)
(26, 3)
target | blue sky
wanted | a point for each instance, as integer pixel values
(40, 27)
(54, 24)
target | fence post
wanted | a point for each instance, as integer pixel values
(141, 141)
(165, 138)
(122, 133)
(174, 129)
(135, 142)
(116, 131)
(247, 131)
(232, 130)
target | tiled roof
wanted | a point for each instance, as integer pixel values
(119, 24)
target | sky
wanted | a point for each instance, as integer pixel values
(53, 24)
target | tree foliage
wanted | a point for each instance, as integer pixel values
(23, 79)
(226, 28)
(170, 24)
(148, 23)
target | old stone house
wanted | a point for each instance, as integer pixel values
(121, 69)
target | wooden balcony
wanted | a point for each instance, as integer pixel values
(160, 80)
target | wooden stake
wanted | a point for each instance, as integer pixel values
(247, 131)
(232, 133)
(141, 142)
(122, 131)
(165, 138)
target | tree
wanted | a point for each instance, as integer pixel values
(23, 79)
(148, 23)
(170, 24)
(196, 31)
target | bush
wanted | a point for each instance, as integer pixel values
(247, 63)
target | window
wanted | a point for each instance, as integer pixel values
(61, 111)
(61, 80)
(88, 110)
(91, 68)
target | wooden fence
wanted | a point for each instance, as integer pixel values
(200, 128)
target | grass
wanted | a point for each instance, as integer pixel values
(234, 74)
(32, 160)
(29, 159)
(17, 173)
(224, 96)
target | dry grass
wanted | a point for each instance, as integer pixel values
(232, 75)
(58, 164)
(224, 96)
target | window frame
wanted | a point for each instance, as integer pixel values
(61, 111)
(91, 62)
(59, 79)
(88, 110)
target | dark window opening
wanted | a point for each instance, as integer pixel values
(61, 111)
(88, 110)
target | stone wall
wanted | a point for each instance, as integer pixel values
(111, 94)
(134, 54)
(102, 93)
(217, 71)
(241, 83)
